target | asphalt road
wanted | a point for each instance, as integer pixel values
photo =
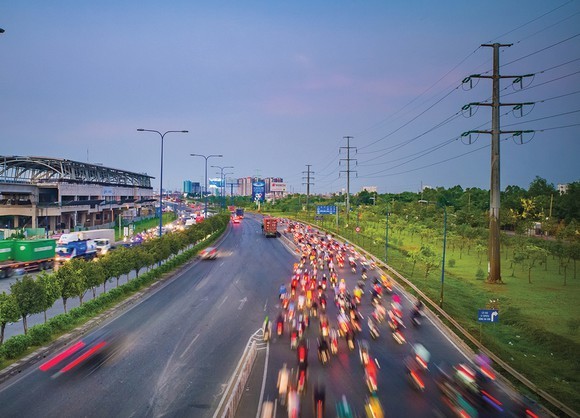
(181, 344)
(344, 374)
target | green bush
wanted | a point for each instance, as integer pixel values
(480, 274)
(451, 262)
(60, 323)
(40, 334)
(15, 346)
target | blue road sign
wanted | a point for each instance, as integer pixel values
(487, 315)
(326, 210)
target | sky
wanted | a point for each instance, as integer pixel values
(275, 86)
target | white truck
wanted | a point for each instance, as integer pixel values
(103, 238)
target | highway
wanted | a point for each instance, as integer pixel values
(183, 342)
(181, 346)
(344, 374)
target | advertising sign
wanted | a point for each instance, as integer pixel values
(277, 187)
(217, 182)
(258, 191)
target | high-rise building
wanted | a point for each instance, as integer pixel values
(191, 187)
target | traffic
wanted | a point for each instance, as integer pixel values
(338, 310)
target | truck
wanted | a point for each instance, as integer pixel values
(26, 255)
(270, 227)
(240, 212)
(85, 249)
(104, 239)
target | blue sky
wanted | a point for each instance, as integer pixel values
(275, 85)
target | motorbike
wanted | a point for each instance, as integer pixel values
(416, 317)
(323, 352)
(363, 352)
(333, 342)
(373, 329)
(279, 328)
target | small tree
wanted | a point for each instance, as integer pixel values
(71, 281)
(8, 312)
(29, 296)
(533, 255)
(51, 287)
(95, 275)
(414, 256)
(429, 258)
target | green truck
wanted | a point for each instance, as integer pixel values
(26, 255)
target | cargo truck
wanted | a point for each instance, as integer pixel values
(26, 255)
(270, 227)
(85, 249)
(104, 239)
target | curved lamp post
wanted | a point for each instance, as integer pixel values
(162, 135)
(206, 157)
(222, 177)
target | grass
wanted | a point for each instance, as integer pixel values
(538, 333)
(146, 224)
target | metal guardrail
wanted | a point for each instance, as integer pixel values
(235, 389)
(518, 376)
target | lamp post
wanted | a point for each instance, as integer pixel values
(225, 184)
(222, 176)
(162, 135)
(206, 157)
(387, 235)
(444, 246)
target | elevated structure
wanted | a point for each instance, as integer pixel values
(59, 194)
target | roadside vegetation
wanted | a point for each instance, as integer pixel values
(150, 261)
(539, 298)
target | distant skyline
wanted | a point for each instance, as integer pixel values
(274, 86)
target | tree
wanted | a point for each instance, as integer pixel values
(29, 296)
(51, 287)
(533, 255)
(414, 256)
(8, 312)
(95, 275)
(429, 258)
(71, 281)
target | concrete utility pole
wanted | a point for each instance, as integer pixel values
(494, 275)
(347, 171)
(308, 183)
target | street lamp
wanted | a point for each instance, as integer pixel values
(162, 135)
(226, 187)
(222, 176)
(444, 246)
(206, 157)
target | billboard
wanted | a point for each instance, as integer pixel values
(258, 190)
(277, 187)
(216, 182)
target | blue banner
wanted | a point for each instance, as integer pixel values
(488, 315)
(326, 210)
(259, 191)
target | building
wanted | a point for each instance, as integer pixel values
(370, 189)
(58, 194)
(562, 188)
(245, 186)
(191, 187)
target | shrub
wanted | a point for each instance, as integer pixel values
(60, 323)
(480, 275)
(451, 262)
(15, 346)
(40, 334)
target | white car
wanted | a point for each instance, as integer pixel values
(209, 253)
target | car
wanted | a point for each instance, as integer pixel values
(236, 219)
(209, 253)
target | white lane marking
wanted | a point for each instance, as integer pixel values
(242, 302)
(189, 346)
(223, 301)
(265, 305)
(264, 382)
